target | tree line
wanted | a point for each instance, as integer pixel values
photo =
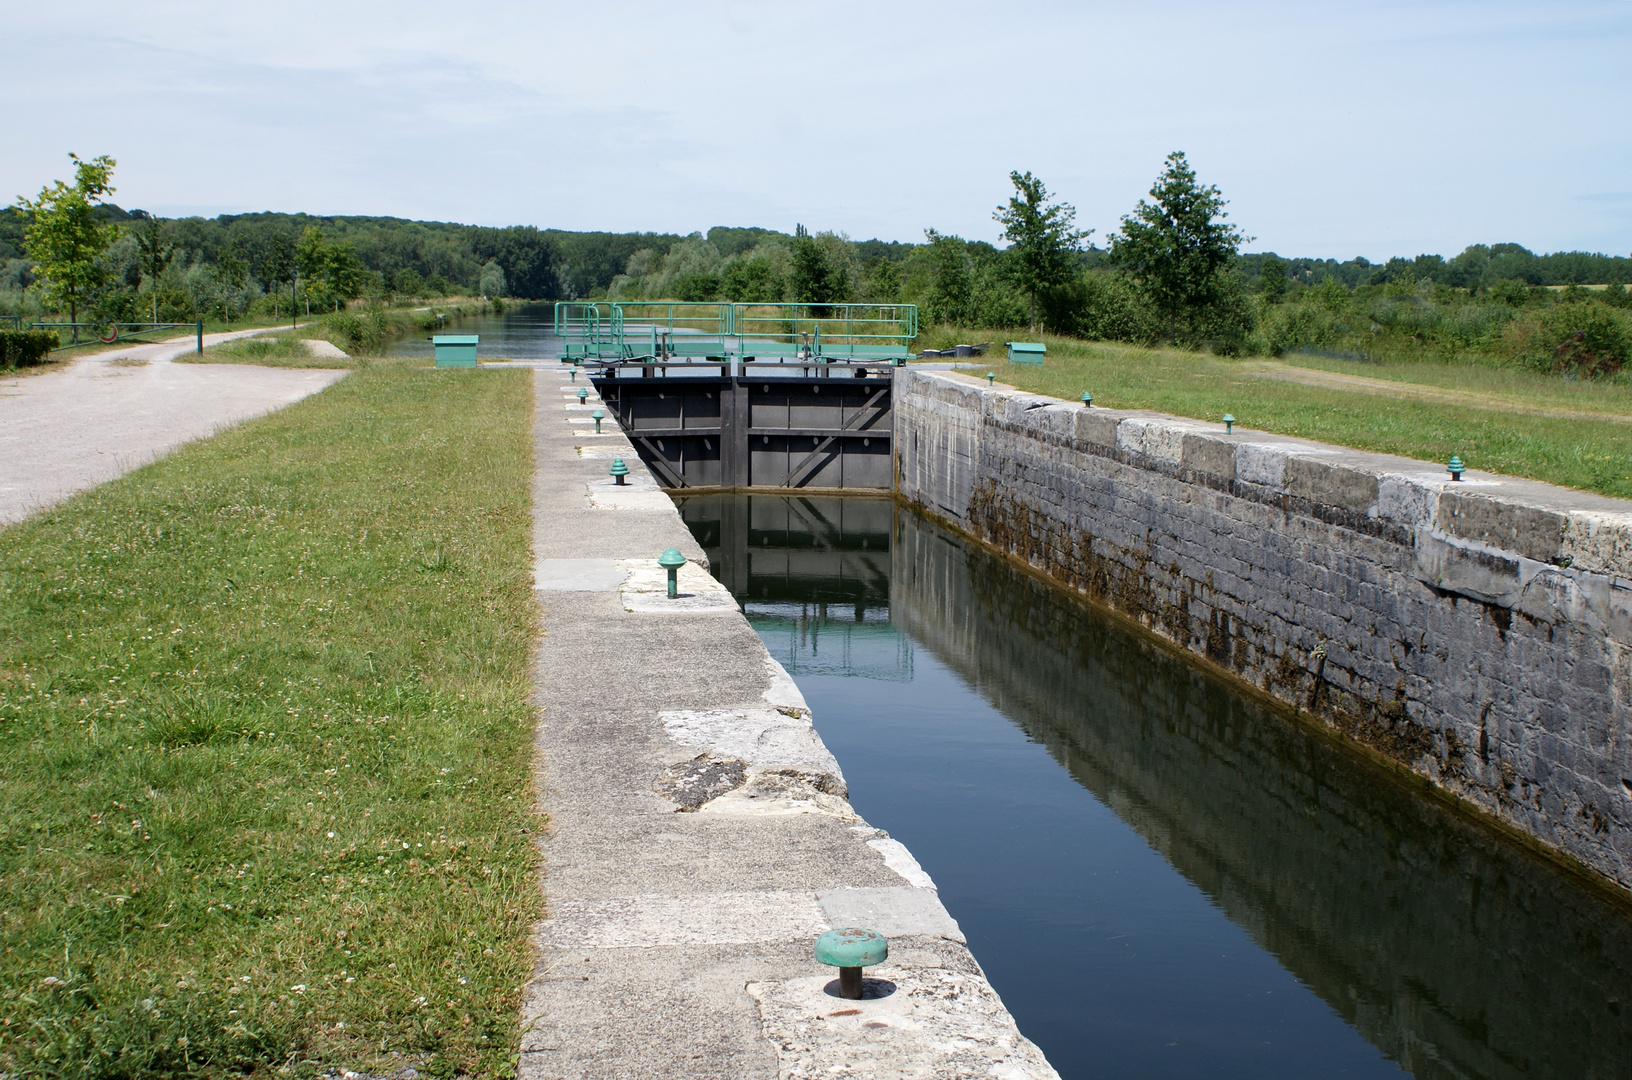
(1171, 271)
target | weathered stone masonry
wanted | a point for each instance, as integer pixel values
(1476, 633)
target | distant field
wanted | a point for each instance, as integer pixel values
(1495, 426)
(265, 747)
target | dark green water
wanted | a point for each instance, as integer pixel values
(1163, 878)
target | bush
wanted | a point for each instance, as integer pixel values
(25, 348)
(1585, 339)
(1098, 305)
(1285, 327)
(357, 334)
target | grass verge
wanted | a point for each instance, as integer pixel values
(1499, 434)
(287, 349)
(265, 747)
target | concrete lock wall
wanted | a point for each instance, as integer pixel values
(1475, 633)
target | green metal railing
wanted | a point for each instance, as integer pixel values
(609, 331)
(825, 331)
(585, 330)
(673, 330)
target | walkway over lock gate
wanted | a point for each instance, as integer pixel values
(615, 332)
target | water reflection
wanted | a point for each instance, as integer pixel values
(1161, 877)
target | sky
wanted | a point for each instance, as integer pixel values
(1333, 129)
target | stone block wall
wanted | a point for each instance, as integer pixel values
(1476, 633)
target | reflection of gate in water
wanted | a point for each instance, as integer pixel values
(825, 639)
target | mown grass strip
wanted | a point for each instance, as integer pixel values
(265, 746)
(1589, 454)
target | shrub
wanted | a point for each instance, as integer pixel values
(25, 348)
(1285, 327)
(357, 333)
(1509, 292)
(1099, 305)
(1586, 340)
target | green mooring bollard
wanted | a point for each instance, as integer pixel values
(1087, 399)
(574, 374)
(1456, 468)
(1229, 423)
(619, 471)
(583, 395)
(599, 416)
(991, 377)
(671, 560)
(850, 950)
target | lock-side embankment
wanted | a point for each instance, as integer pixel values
(1475, 633)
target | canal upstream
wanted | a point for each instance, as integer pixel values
(522, 331)
(1162, 877)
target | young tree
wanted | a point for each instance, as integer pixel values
(332, 269)
(66, 238)
(814, 278)
(153, 255)
(1043, 239)
(1178, 248)
(491, 282)
(952, 279)
(1272, 279)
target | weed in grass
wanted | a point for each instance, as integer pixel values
(264, 747)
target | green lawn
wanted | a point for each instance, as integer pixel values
(1493, 433)
(265, 742)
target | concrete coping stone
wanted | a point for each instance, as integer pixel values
(1538, 521)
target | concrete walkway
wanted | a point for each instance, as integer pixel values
(64, 431)
(700, 835)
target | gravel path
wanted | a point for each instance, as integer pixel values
(104, 415)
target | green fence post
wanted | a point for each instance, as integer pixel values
(201, 337)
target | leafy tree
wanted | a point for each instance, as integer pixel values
(695, 288)
(1178, 247)
(527, 258)
(275, 264)
(1043, 238)
(66, 237)
(408, 282)
(153, 253)
(952, 279)
(491, 282)
(1272, 279)
(333, 270)
(751, 280)
(815, 278)
(1330, 294)
(883, 280)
